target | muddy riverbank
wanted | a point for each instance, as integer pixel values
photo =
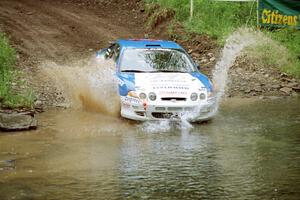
(68, 32)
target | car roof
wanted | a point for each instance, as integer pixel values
(147, 43)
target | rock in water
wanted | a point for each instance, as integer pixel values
(17, 121)
(286, 90)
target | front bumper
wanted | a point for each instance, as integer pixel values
(190, 111)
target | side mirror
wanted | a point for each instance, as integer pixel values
(197, 66)
(103, 53)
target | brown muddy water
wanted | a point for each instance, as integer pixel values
(251, 150)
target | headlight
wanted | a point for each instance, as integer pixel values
(202, 96)
(152, 96)
(132, 94)
(143, 96)
(194, 96)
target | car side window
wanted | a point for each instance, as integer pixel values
(113, 52)
(116, 50)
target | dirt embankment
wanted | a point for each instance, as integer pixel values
(65, 30)
(62, 31)
(248, 77)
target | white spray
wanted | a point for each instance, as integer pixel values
(88, 84)
(91, 85)
(233, 47)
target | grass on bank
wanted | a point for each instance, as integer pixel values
(269, 53)
(282, 52)
(217, 19)
(220, 19)
(10, 94)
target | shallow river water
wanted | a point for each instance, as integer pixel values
(251, 150)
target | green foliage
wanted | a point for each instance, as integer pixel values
(290, 38)
(9, 96)
(7, 60)
(219, 19)
(269, 53)
(157, 14)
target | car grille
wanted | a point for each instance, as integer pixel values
(170, 112)
(160, 108)
(140, 113)
(162, 115)
(173, 99)
(175, 109)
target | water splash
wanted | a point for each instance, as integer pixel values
(89, 84)
(156, 126)
(233, 47)
(164, 126)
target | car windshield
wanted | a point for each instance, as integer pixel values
(155, 60)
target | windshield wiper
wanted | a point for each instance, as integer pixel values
(133, 70)
(172, 71)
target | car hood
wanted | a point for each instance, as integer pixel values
(168, 84)
(164, 84)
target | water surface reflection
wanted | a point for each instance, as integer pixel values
(250, 151)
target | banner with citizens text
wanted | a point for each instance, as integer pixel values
(279, 13)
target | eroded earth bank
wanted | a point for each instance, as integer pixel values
(61, 34)
(249, 151)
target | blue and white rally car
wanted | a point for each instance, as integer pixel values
(159, 80)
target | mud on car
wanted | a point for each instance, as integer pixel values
(158, 80)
